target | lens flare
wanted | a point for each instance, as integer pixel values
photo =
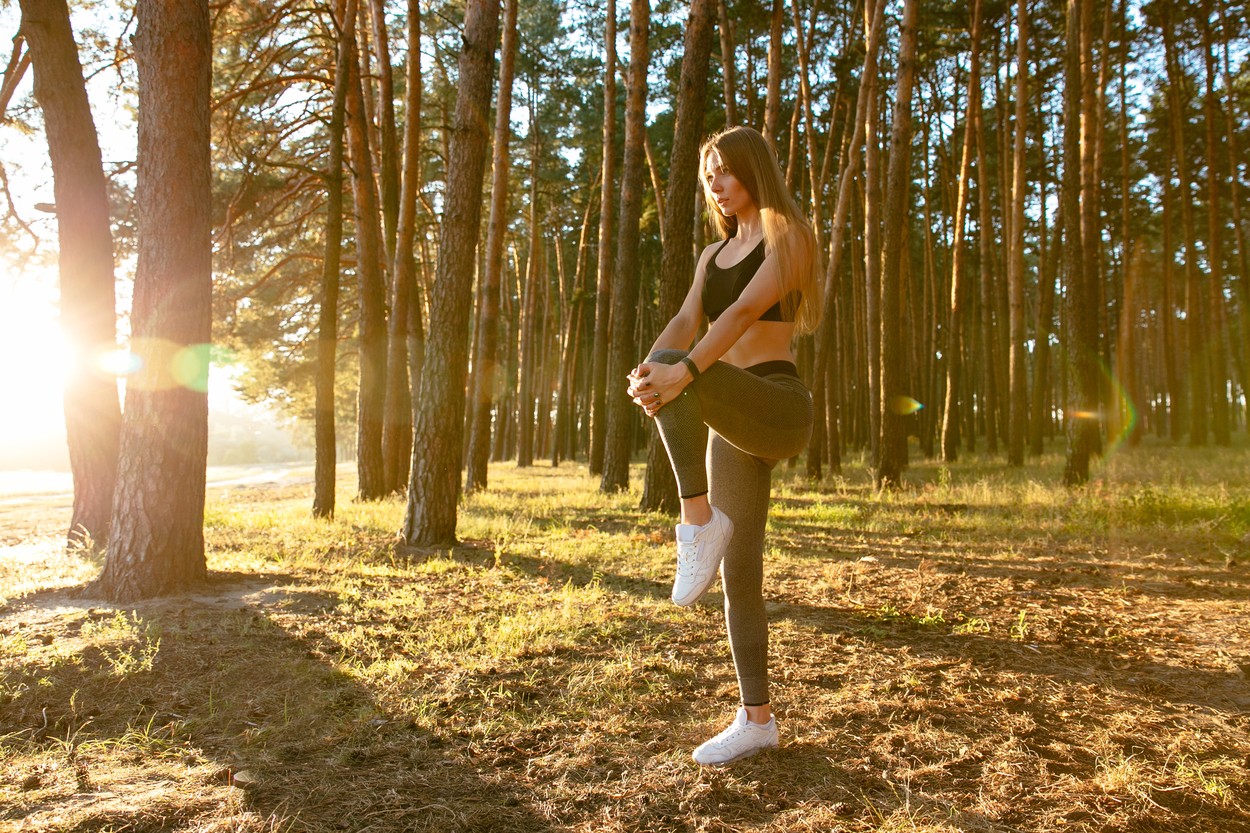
(904, 405)
(118, 362)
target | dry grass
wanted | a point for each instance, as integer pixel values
(983, 652)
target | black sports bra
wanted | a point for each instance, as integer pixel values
(722, 286)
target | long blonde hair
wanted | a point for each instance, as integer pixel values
(746, 154)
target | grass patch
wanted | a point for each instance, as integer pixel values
(984, 651)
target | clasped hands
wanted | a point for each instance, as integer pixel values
(652, 385)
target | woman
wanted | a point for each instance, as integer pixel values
(756, 287)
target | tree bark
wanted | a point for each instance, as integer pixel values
(85, 260)
(1081, 337)
(772, 102)
(728, 64)
(371, 288)
(893, 443)
(328, 314)
(1215, 246)
(487, 348)
(434, 484)
(1195, 318)
(156, 541)
(405, 336)
(607, 224)
(826, 397)
(677, 259)
(1018, 394)
(622, 354)
(958, 288)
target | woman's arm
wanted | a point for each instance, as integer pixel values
(648, 378)
(681, 330)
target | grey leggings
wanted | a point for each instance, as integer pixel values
(732, 426)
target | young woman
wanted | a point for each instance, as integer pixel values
(734, 405)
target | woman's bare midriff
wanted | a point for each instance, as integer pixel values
(764, 341)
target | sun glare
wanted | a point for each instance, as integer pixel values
(36, 360)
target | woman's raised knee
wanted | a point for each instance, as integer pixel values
(667, 356)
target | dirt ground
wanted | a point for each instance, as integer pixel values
(933, 671)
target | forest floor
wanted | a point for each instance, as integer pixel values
(984, 651)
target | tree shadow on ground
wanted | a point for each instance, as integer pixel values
(234, 711)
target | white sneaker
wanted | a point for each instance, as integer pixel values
(742, 739)
(699, 553)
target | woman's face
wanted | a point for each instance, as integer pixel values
(730, 195)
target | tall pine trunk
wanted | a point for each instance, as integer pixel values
(156, 540)
(371, 288)
(623, 351)
(1018, 394)
(893, 456)
(406, 335)
(1081, 337)
(328, 313)
(486, 354)
(607, 225)
(956, 400)
(85, 260)
(434, 483)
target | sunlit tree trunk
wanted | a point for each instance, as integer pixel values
(406, 324)
(955, 399)
(728, 65)
(1081, 336)
(434, 484)
(156, 540)
(1215, 245)
(772, 102)
(677, 259)
(328, 314)
(607, 225)
(371, 288)
(531, 326)
(486, 355)
(1018, 380)
(893, 443)
(1195, 318)
(827, 395)
(623, 352)
(85, 260)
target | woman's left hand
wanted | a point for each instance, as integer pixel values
(652, 385)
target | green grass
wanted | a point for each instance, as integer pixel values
(983, 651)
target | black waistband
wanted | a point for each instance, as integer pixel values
(772, 368)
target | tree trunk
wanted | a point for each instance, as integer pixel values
(826, 396)
(607, 224)
(677, 259)
(872, 266)
(728, 65)
(623, 352)
(328, 314)
(1215, 246)
(1081, 412)
(893, 443)
(406, 337)
(772, 102)
(1018, 394)
(156, 541)
(531, 327)
(85, 260)
(958, 288)
(434, 485)
(487, 352)
(371, 283)
(988, 277)
(1195, 319)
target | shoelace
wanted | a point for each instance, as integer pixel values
(687, 553)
